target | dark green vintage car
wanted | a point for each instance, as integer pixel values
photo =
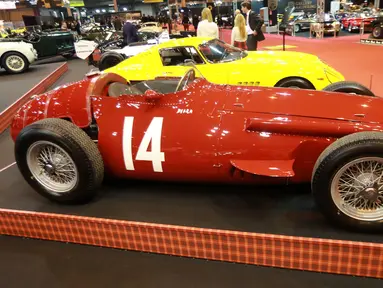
(54, 43)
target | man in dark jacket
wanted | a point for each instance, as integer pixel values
(117, 23)
(253, 27)
(129, 31)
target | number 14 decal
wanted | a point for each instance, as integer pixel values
(152, 134)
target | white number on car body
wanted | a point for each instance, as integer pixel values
(153, 135)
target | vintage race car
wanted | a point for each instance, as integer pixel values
(189, 129)
(222, 63)
(16, 56)
(98, 56)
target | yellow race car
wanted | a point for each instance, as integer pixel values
(222, 63)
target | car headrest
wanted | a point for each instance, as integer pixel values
(97, 84)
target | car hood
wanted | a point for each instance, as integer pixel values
(11, 44)
(306, 103)
(280, 57)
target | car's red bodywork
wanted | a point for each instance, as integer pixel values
(214, 132)
(356, 22)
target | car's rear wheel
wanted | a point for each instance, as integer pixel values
(377, 32)
(349, 87)
(14, 62)
(68, 55)
(294, 82)
(59, 160)
(347, 181)
(109, 60)
(297, 28)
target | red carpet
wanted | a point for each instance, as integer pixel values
(357, 62)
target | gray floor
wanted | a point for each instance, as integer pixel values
(12, 87)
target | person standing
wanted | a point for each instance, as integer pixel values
(78, 27)
(207, 28)
(117, 23)
(238, 33)
(195, 22)
(253, 27)
(185, 22)
(129, 31)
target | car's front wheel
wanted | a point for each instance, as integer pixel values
(59, 160)
(14, 62)
(347, 181)
(295, 82)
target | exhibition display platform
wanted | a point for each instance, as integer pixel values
(275, 226)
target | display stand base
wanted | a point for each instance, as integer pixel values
(372, 41)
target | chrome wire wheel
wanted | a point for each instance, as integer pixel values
(52, 167)
(15, 63)
(357, 189)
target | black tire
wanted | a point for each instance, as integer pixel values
(68, 55)
(295, 82)
(20, 56)
(77, 144)
(110, 59)
(332, 159)
(337, 33)
(377, 32)
(349, 87)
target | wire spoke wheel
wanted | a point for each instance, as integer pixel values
(52, 167)
(357, 189)
(15, 63)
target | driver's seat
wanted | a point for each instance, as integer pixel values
(118, 89)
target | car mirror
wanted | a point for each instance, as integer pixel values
(151, 95)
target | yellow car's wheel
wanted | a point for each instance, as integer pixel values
(295, 82)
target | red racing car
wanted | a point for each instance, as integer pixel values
(191, 130)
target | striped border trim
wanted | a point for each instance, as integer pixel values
(301, 253)
(7, 115)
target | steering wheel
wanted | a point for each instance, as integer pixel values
(185, 80)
